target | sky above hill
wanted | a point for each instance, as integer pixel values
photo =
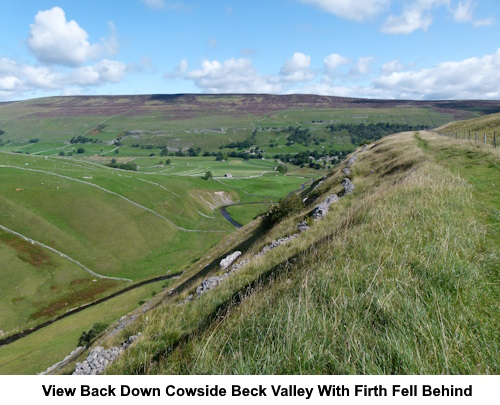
(421, 49)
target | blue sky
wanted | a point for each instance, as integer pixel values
(421, 49)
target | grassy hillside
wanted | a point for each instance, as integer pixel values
(400, 277)
(115, 223)
(485, 125)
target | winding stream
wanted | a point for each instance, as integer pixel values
(226, 215)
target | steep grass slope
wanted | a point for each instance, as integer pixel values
(481, 126)
(401, 276)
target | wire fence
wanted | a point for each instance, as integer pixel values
(479, 137)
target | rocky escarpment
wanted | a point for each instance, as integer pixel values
(322, 209)
(99, 358)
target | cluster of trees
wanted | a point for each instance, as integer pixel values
(124, 166)
(308, 157)
(165, 152)
(83, 139)
(246, 144)
(360, 132)
(87, 336)
(1, 142)
(287, 207)
(148, 146)
(300, 135)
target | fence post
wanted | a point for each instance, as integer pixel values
(495, 139)
(485, 138)
(476, 136)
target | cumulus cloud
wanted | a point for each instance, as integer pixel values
(54, 40)
(16, 78)
(415, 14)
(296, 69)
(411, 20)
(105, 71)
(418, 15)
(334, 61)
(232, 76)
(356, 10)
(238, 75)
(67, 61)
(473, 78)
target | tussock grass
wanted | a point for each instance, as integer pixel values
(399, 278)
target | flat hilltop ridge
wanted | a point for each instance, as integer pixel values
(245, 102)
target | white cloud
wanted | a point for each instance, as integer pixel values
(334, 61)
(296, 69)
(17, 78)
(464, 11)
(105, 71)
(68, 62)
(232, 76)
(411, 20)
(240, 76)
(474, 78)
(392, 66)
(357, 10)
(54, 40)
(416, 15)
(484, 22)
